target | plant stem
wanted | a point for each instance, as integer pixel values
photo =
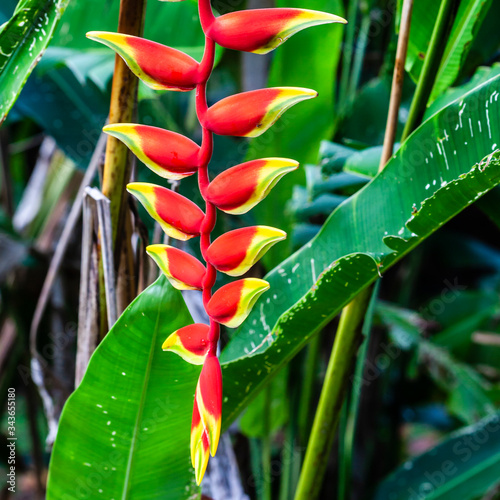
(397, 84)
(118, 161)
(430, 68)
(345, 460)
(266, 445)
(306, 394)
(349, 333)
(335, 385)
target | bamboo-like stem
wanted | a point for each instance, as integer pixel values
(349, 334)
(266, 445)
(345, 470)
(332, 395)
(397, 85)
(118, 160)
(430, 67)
(117, 163)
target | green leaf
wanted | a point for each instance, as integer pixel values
(124, 433)
(435, 174)
(300, 130)
(483, 74)
(469, 18)
(463, 466)
(23, 40)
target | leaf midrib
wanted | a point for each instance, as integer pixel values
(131, 456)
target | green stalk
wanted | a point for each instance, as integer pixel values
(345, 459)
(266, 445)
(349, 334)
(306, 394)
(430, 68)
(118, 162)
(335, 385)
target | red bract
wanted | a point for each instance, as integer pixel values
(240, 188)
(250, 114)
(262, 30)
(234, 191)
(234, 253)
(158, 66)
(190, 343)
(184, 271)
(166, 153)
(179, 217)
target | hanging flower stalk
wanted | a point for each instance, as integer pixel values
(234, 191)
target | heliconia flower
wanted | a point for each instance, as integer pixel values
(262, 30)
(238, 189)
(232, 303)
(158, 66)
(209, 399)
(235, 252)
(179, 217)
(184, 271)
(168, 154)
(250, 114)
(190, 343)
(199, 444)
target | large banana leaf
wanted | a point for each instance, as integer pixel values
(23, 40)
(423, 186)
(465, 466)
(445, 165)
(124, 433)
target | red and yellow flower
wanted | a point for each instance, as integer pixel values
(234, 191)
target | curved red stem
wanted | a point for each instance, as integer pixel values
(206, 150)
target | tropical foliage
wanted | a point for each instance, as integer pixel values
(387, 215)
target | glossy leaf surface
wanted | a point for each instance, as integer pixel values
(414, 196)
(23, 40)
(134, 406)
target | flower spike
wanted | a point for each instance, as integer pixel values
(235, 191)
(179, 217)
(235, 252)
(250, 114)
(231, 304)
(238, 189)
(166, 153)
(209, 399)
(158, 66)
(184, 271)
(262, 30)
(190, 343)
